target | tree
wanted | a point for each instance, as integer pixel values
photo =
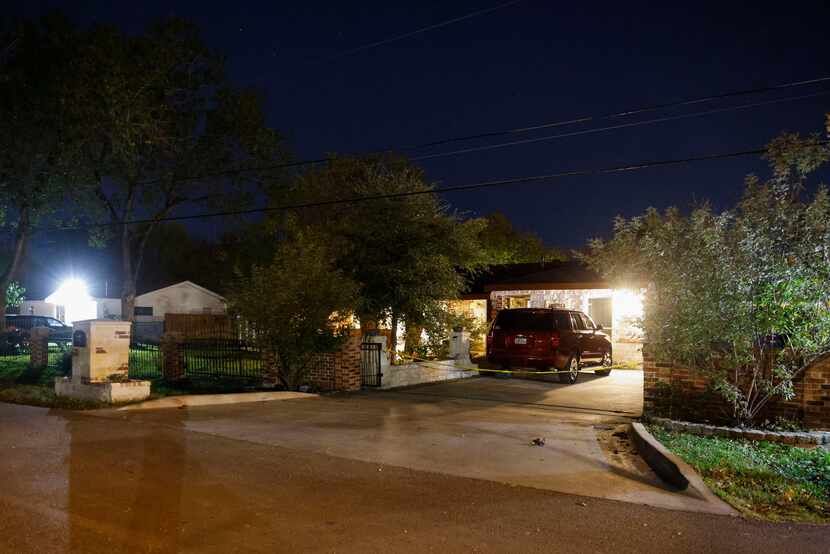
(36, 177)
(15, 295)
(744, 294)
(162, 128)
(503, 244)
(403, 252)
(299, 304)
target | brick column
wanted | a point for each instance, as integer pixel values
(347, 363)
(39, 347)
(172, 357)
(817, 394)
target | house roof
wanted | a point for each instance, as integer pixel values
(188, 283)
(554, 275)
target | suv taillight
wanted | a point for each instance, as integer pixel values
(554, 340)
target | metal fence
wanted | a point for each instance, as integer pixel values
(145, 359)
(15, 364)
(221, 357)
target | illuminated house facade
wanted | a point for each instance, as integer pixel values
(560, 284)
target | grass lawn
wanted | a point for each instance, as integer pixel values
(761, 479)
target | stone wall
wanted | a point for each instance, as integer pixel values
(677, 392)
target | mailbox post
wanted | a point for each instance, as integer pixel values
(100, 364)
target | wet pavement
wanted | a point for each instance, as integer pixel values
(437, 428)
(187, 480)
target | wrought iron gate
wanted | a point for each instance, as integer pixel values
(370, 374)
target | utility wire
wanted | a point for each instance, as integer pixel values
(620, 126)
(419, 31)
(625, 113)
(457, 188)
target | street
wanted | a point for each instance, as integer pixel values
(176, 481)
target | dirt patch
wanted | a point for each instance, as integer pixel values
(621, 453)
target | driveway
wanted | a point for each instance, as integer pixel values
(621, 393)
(469, 429)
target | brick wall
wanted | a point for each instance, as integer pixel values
(677, 392)
(340, 370)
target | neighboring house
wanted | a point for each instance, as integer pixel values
(181, 298)
(560, 284)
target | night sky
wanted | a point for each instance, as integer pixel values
(525, 64)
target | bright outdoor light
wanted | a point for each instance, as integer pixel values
(627, 304)
(74, 297)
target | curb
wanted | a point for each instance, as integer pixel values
(190, 400)
(671, 468)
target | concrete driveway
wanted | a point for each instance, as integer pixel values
(621, 393)
(464, 429)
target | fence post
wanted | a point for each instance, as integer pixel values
(270, 368)
(39, 347)
(347, 364)
(172, 359)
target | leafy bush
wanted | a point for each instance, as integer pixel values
(743, 294)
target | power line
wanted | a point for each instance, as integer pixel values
(614, 115)
(419, 31)
(458, 188)
(620, 126)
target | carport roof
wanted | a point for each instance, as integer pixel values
(556, 275)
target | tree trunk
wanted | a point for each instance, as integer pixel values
(393, 348)
(8, 276)
(413, 337)
(128, 276)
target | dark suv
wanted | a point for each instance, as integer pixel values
(18, 328)
(548, 338)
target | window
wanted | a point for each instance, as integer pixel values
(589, 323)
(579, 323)
(51, 322)
(563, 321)
(143, 310)
(518, 302)
(525, 321)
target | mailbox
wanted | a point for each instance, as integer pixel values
(101, 350)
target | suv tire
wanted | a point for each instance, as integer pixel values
(571, 370)
(606, 363)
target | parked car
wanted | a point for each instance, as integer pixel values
(548, 338)
(18, 328)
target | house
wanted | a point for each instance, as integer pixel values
(181, 298)
(71, 302)
(560, 284)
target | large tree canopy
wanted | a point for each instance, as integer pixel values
(403, 252)
(743, 294)
(161, 127)
(36, 176)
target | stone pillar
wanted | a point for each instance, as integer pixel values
(39, 347)
(347, 364)
(460, 344)
(172, 365)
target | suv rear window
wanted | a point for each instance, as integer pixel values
(509, 320)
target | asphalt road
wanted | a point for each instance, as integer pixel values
(79, 483)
